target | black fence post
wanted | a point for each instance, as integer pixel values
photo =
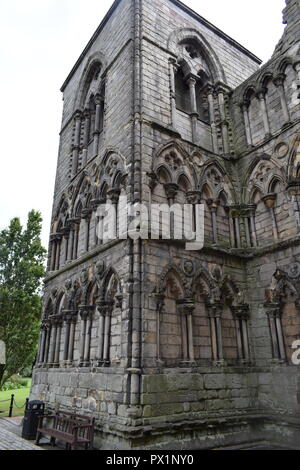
(11, 405)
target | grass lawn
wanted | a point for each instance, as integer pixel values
(20, 396)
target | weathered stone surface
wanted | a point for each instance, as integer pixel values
(163, 345)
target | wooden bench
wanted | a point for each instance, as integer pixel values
(76, 430)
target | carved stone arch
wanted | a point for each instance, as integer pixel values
(192, 35)
(220, 182)
(163, 174)
(183, 181)
(177, 271)
(96, 59)
(203, 280)
(60, 302)
(112, 168)
(172, 156)
(91, 293)
(107, 280)
(282, 64)
(249, 92)
(264, 79)
(259, 174)
(230, 290)
(184, 66)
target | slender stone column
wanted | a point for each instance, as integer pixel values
(48, 339)
(76, 146)
(224, 123)
(66, 244)
(241, 316)
(245, 110)
(72, 338)
(98, 100)
(261, 95)
(186, 308)
(252, 209)
(101, 307)
(213, 207)
(42, 343)
(160, 298)
(87, 127)
(172, 72)
(272, 312)
(58, 340)
(67, 318)
(215, 311)
(53, 341)
(88, 332)
(83, 315)
(279, 83)
(107, 324)
(58, 251)
(280, 335)
(212, 117)
(53, 252)
(194, 113)
(269, 201)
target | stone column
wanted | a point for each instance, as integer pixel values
(107, 323)
(224, 123)
(279, 83)
(83, 315)
(215, 312)
(59, 238)
(194, 113)
(73, 321)
(42, 343)
(66, 234)
(88, 332)
(269, 201)
(67, 318)
(76, 146)
(194, 198)
(212, 117)
(53, 340)
(87, 127)
(245, 110)
(241, 316)
(58, 340)
(261, 95)
(48, 339)
(101, 307)
(172, 71)
(186, 308)
(53, 251)
(273, 310)
(160, 299)
(213, 207)
(113, 195)
(297, 68)
(98, 100)
(252, 209)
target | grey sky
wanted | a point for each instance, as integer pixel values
(40, 42)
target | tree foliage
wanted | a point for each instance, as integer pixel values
(21, 270)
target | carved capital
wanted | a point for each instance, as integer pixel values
(193, 197)
(171, 190)
(269, 200)
(186, 306)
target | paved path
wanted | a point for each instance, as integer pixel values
(10, 440)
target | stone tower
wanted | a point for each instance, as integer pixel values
(168, 347)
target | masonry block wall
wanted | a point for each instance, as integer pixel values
(169, 347)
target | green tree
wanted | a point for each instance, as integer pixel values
(22, 268)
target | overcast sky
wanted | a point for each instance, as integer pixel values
(40, 42)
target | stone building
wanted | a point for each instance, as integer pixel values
(167, 347)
